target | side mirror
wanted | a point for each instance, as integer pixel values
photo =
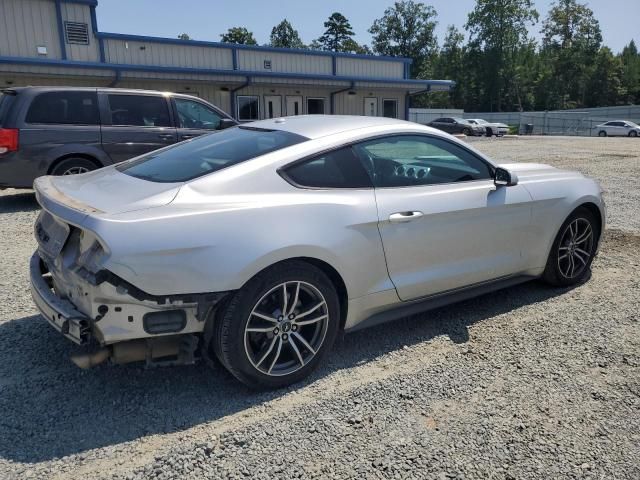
(226, 123)
(504, 178)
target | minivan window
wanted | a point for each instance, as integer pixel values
(139, 110)
(208, 154)
(5, 101)
(66, 107)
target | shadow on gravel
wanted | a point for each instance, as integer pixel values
(49, 408)
(25, 201)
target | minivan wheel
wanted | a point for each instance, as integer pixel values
(277, 328)
(573, 250)
(73, 166)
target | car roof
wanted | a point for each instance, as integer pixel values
(316, 126)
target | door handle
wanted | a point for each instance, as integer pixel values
(187, 136)
(401, 217)
(166, 136)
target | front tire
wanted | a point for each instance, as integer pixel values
(489, 132)
(278, 328)
(633, 133)
(466, 131)
(602, 133)
(573, 250)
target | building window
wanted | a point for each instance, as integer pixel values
(248, 108)
(390, 108)
(315, 106)
(267, 64)
(76, 33)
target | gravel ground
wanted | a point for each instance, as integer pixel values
(529, 382)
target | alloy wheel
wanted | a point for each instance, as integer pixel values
(286, 328)
(75, 171)
(576, 247)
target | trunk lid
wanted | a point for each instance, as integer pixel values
(105, 191)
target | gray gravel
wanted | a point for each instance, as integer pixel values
(529, 382)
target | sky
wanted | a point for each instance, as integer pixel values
(207, 19)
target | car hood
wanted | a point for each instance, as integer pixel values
(106, 190)
(538, 170)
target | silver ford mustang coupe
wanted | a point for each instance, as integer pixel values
(259, 244)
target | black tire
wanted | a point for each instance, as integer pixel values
(602, 133)
(489, 132)
(557, 270)
(73, 165)
(466, 131)
(231, 347)
(633, 133)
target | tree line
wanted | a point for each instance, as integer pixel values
(497, 66)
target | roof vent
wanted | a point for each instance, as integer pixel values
(77, 33)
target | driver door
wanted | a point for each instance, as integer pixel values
(443, 222)
(194, 118)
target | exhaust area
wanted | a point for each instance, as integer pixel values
(150, 350)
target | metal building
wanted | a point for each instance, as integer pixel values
(57, 42)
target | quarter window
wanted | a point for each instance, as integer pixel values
(139, 110)
(67, 108)
(196, 115)
(337, 169)
(248, 108)
(411, 160)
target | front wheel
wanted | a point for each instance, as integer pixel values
(602, 133)
(572, 253)
(633, 133)
(278, 327)
(466, 131)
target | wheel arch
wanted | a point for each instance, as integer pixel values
(84, 156)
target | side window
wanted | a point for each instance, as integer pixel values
(139, 110)
(196, 115)
(412, 160)
(336, 169)
(68, 108)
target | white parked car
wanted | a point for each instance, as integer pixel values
(618, 128)
(258, 244)
(492, 128)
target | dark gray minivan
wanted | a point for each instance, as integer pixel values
(68, 130)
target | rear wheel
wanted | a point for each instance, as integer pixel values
(602, 133)
(573, 250)
(73, 166)
(278, 327)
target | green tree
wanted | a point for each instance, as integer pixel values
(184, 36)
(571, 41)
(630, 73)
(239, 35)
(604, 88)
(406, 30)
(337, 34)
(351, 46)
(284, 35)
(449, 64)
(497, 29)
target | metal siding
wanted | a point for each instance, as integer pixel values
(253, 60)
(26, 24)
(74, 12)
(346, 104)
(359, 67)
(166, 55)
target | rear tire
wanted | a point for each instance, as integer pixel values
(267, 342)
(573, 250)
(73, 166)
(602, 133)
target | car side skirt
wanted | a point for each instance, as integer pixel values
(405, 309)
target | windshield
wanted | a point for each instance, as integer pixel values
(208, 154)
(460, 120)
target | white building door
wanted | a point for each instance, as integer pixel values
(272, 106)
(371, 106)
(294, 105)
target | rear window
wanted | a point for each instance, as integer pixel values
(69, 108)
(208, 154)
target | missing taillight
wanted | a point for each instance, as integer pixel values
(9, 140)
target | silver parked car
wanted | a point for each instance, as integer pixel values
(491, 128)
(617, 128)
(258, 244)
